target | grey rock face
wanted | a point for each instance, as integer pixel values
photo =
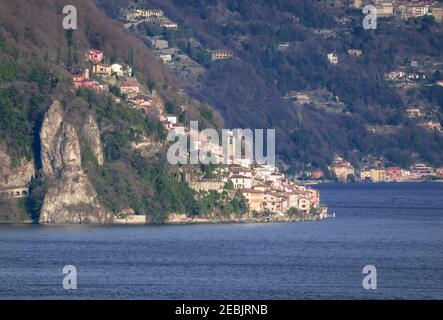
(70, 198)
(14, 176)
(91, 133)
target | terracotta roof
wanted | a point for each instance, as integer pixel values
(129, 84)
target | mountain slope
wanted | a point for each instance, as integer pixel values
(281, 46)
(37, 57)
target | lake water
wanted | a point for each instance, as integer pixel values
(398, 228)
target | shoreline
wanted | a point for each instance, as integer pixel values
(200, 221)
(315, 182)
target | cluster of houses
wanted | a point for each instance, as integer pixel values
(104, 74)
(411, 75)
(401, 75)
(266, 189)
(404, 9)
(100, 76)
(344, 170)
(148, 15)
(333, 57)
(424, 120)
(134, 16)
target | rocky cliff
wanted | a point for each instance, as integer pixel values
(14, 176)
(70, 198)
(91, 133)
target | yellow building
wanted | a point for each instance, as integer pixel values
(342, 169)
(274, 202)
(102, 69)
(385, 9)
(255, 199)
(304, 204)
(374, 175)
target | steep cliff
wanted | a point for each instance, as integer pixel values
(93, 153)
(70, 198)
(14, 176)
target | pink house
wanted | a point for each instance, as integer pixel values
(95, 56)
(394, 173)
(317, 174)
(83, 82)
(167, 125)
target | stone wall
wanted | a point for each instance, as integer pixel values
(207, 186)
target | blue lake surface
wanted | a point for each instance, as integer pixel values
(398, 228)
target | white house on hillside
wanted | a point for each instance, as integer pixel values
(117, 69)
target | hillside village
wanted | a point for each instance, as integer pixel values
(135, 19)
(190, 58)
(269, 195)
(267, 192)
(416, 71)
(119, 81)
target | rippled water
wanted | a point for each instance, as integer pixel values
(396, 227)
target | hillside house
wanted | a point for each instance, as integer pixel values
(84, 82)
(302, 98)
(342, 169)
(431, 125)
(172, 119)
(117, 69)
(159, 44)
(166, 58)
(239, 170)
(355, 52)
(101, 69)
(385, 9)
(332, 58)
(169, 25)
(414, 112)
(135, 14)
(395, 75)
(241, 182)
(95, 56)
(221, 54)
(129, 87)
